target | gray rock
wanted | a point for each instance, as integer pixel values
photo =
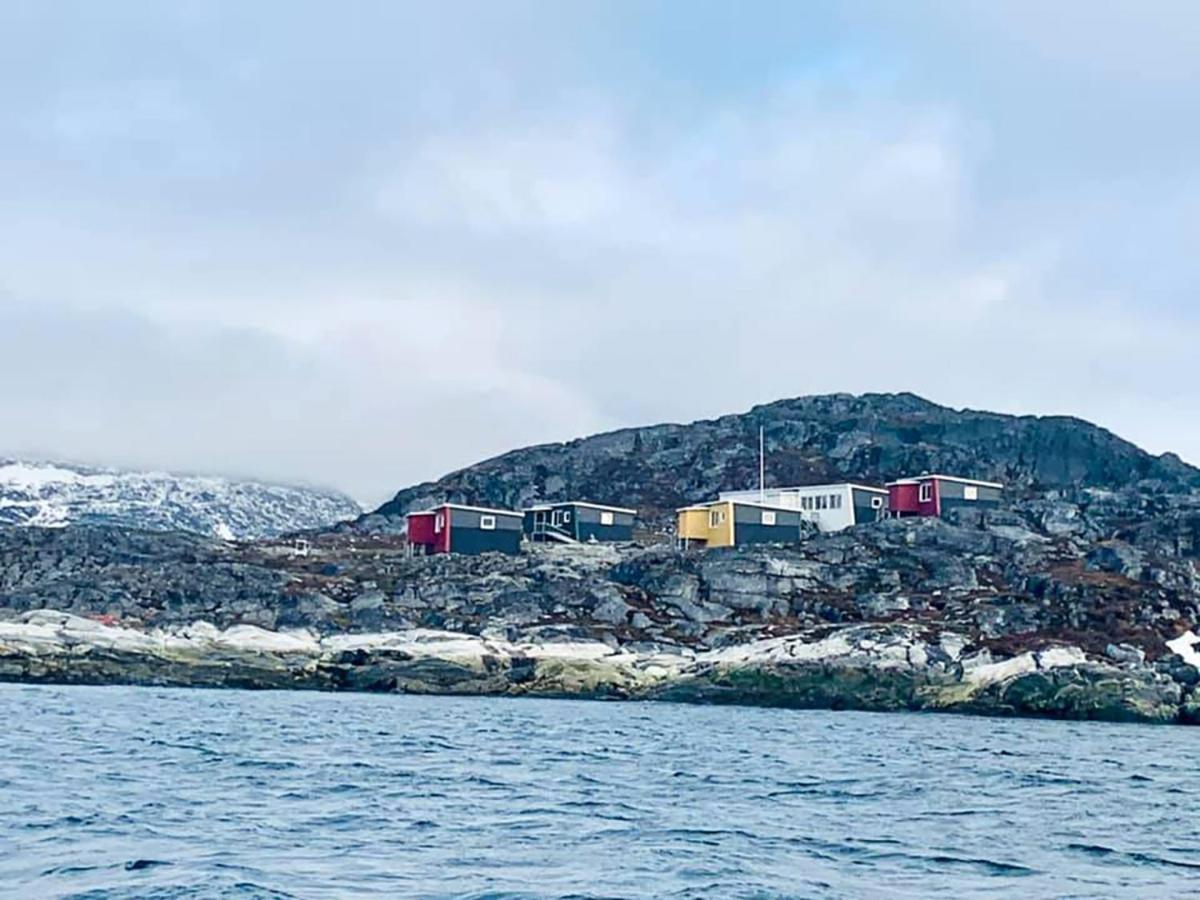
(611, 610)
(1118, 558)
(1126, 654)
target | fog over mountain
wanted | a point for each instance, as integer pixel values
(56, 495)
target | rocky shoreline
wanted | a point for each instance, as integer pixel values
(865, 667)
(1059, 607)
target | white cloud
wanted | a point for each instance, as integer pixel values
(375, 269)
(559, 178)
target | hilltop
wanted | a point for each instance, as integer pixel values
(809, 440)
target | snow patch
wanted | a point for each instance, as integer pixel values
(1185, 647)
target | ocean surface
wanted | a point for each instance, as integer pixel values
(135, 792)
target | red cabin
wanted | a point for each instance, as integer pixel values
(935, 495)
(455, 528)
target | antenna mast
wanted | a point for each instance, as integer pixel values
(762, 466)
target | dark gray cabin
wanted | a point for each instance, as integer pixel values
(576, 521)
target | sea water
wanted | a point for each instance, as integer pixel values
(136, 792)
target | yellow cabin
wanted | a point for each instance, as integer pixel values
(728, 523)
(708, 524)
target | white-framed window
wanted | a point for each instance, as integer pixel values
(567, 516)
(822, 501)
(835, 501)
(606, 518)
(439, 521)
(768, 517)
(876, 503)
(970, 492)
(487, 523)
(926, 493)
(806, 502)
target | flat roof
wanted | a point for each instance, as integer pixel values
(815, 487)
(720, 502)
(480, 509)
(620, 509)
(918, 479)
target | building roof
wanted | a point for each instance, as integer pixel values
(720, 502)
(620, 509)
(935, 477)
(813, 487)
(479, 509)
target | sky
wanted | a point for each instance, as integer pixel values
(362, 244)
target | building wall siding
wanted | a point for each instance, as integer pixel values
(586, 520)
(583, 523)
(750, 533)
(471, 541)
(902, 499)
(692, 524)
(828, 519)
(469, 518)
(585, 531)
(749, 527)
(463, 534)
(420, 528)
(721, 534)
(864, 512)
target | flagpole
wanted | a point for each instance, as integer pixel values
(762, 466)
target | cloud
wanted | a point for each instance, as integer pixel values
(345, 412)
(278, 246)
(556, 178)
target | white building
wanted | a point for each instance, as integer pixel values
(831, 507)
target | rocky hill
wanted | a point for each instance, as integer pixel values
(54, 495)
(870, 438)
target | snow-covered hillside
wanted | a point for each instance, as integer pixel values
(53, 495)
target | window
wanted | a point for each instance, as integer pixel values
(567, 516)
(823, 502)
(926, 493)
(606, 518)
(806, 502)
(835, 501)
(439, 521)
(487, 523)
(768, 517)
(714, 518)
(876, 503)
(970, 492)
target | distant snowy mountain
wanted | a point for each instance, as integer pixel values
(54, 495)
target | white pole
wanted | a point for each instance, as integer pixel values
(762, 466)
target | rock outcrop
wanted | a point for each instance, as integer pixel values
(809, 440)
(860, 667)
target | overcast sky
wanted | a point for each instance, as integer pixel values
(362, 244)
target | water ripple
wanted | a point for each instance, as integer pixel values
(119, 793)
